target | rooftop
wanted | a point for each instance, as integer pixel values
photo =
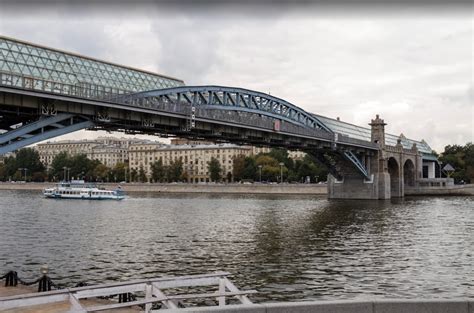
(54, 65)
(364, 133)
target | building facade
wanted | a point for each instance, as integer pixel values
(108, 150)
(195, 158)
(141, 154)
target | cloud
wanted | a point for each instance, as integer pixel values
(414, 70)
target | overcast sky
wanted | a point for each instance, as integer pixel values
(413, 66)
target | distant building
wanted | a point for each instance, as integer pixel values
(194, 154)
(108, 150)
(195, 158)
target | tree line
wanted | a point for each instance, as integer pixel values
(266, 167)
(461, 158)
(26, 166)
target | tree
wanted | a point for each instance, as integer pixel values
(142, 175)
(29, 159)
(270, 167)
(79, 165)
(250, 168)
(214, 168)
(119, 171)
(462, 159)
(133, 175)
(3, 172)
(175, 170)
(10, 166)
(158, 171)
(238, 167)
(60, 161)
(101, 172)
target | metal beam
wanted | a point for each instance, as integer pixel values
(211, 96)
(358, 164)
(25, 129)
(24, 136)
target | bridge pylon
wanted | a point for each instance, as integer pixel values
(389, 169)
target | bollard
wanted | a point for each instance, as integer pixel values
(11, 279)
(44, 284)
(125, 297)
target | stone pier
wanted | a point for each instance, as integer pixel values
(390, 170)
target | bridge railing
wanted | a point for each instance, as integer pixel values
(356, 142)
(81, 90)
(103, 93)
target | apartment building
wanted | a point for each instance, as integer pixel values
(195, 158)
(108, 150)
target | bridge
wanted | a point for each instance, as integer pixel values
(46, 92)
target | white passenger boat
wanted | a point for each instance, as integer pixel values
(78, 189)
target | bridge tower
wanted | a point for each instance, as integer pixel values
(378, 185)
(381, 174)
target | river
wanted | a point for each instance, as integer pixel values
(288, 248)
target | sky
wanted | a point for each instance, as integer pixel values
(411, 64)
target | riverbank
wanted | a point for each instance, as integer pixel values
(308, 189)
(456, 190)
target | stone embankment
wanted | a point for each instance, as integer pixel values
(454, 190)
(308, 189)
(284, 189)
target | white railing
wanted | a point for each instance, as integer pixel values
(153, 290)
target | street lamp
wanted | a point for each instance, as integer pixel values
(281, 171)
(66, 169)
(21, 169)
(260, 168)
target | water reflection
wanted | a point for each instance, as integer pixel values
(286, 247)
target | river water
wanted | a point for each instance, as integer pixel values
(286, 247)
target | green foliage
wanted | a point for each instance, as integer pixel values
(142, 175)
(119, 172)
(101, 172)
(60, 161)
(175, 170)
(238, 167)
(250, 168)
(78, 167)
(247, 168)
(214, 168)
(158, 171)
(462, 159)
(133, 175)
(28, 159)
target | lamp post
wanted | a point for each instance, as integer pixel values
(66, 170)
(281, 171)
(21, 169)
(260, 169)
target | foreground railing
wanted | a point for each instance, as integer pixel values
(143, 293)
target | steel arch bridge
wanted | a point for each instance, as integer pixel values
(275, 120)
(227, 98)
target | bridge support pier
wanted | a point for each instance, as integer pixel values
(356, 187)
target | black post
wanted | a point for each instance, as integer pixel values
(44, 284)
(11, 279)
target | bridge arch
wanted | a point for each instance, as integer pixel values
(230, 99)
(394, 171)
(409, 173)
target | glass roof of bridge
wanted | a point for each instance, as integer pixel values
(38, 62)
(364, 133)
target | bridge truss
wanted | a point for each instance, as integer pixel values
(230, 114)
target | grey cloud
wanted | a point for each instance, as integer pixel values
(416, 71)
